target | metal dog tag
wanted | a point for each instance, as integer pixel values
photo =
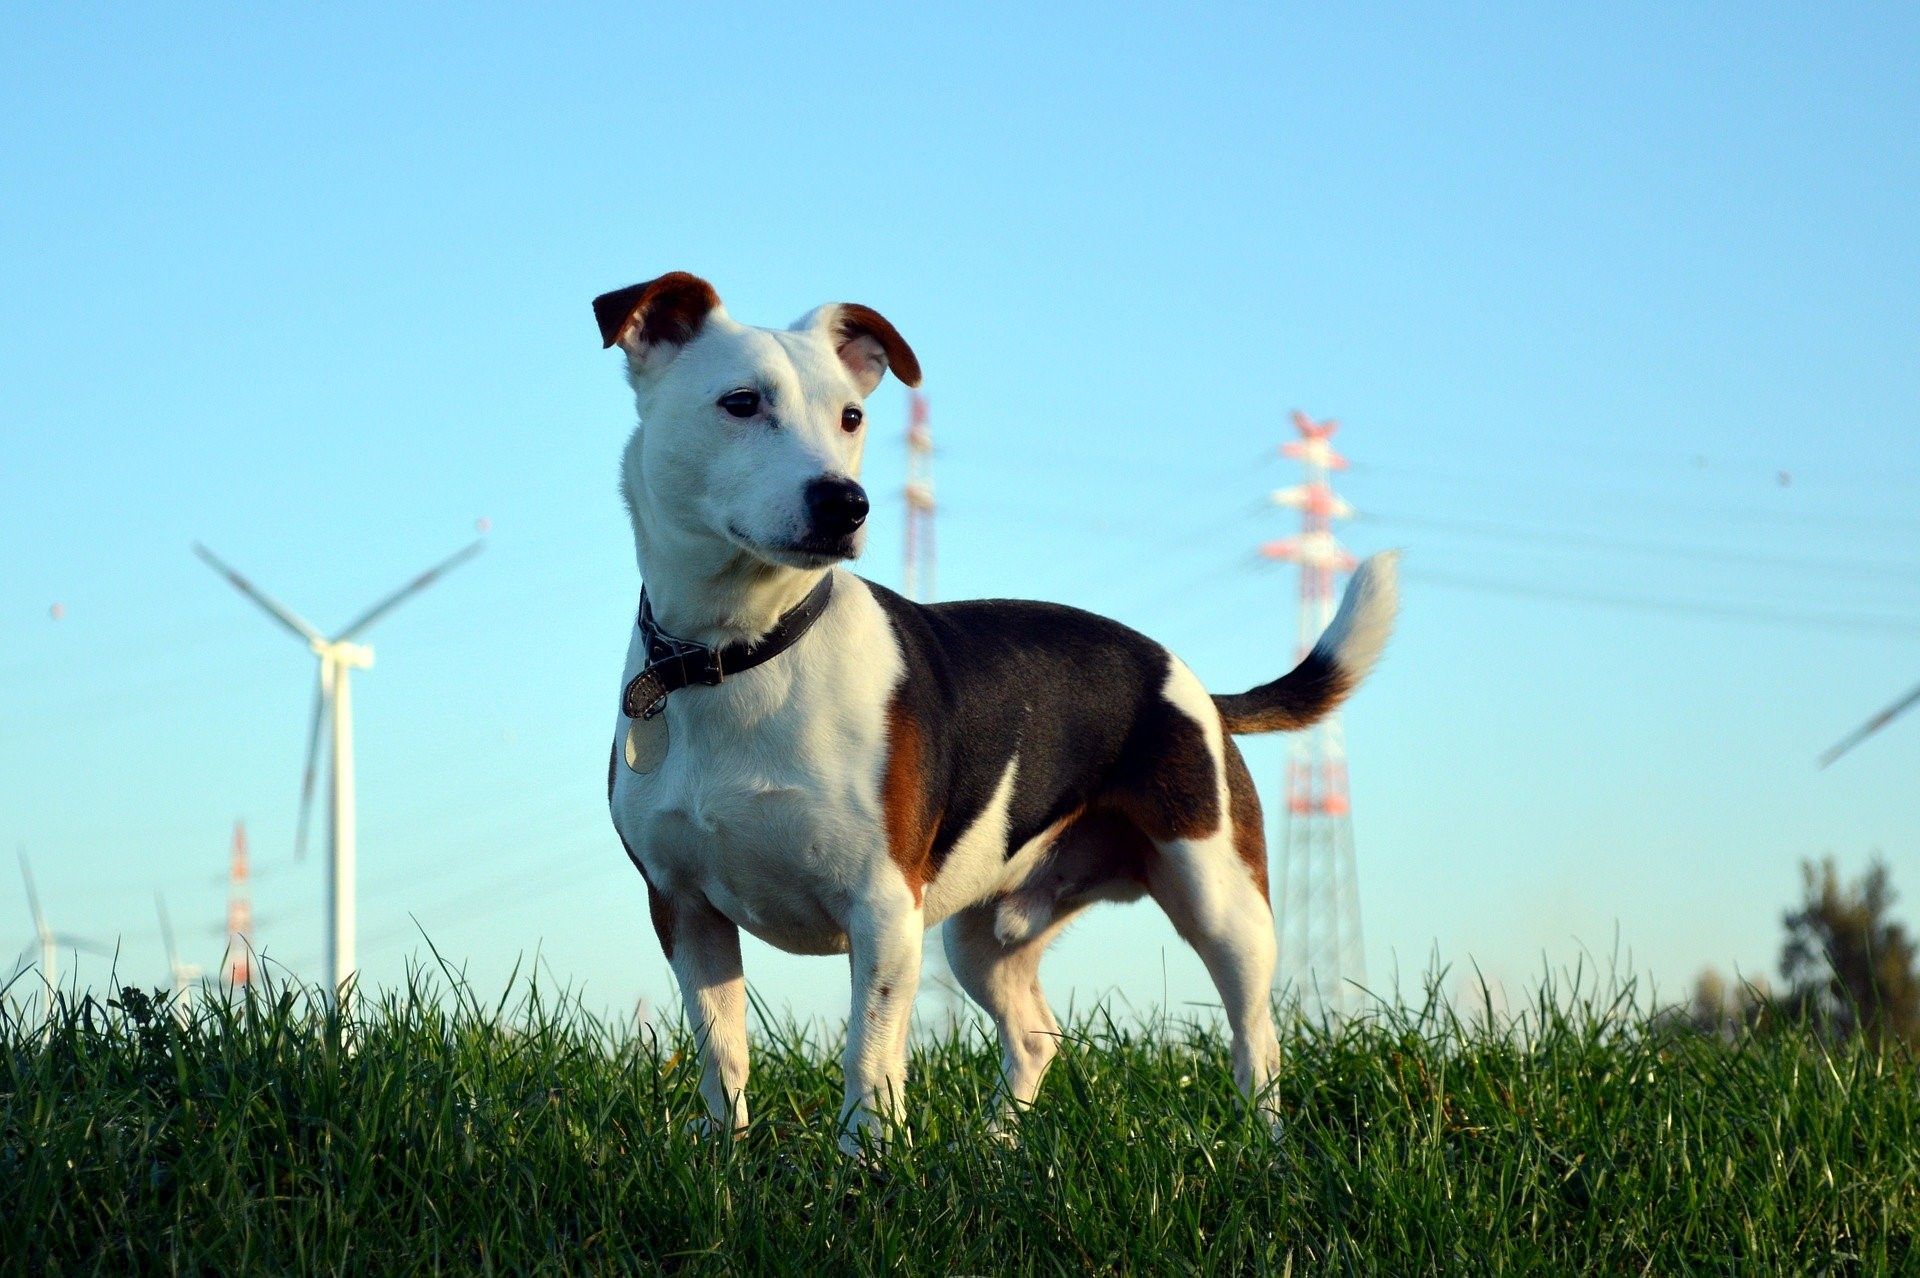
(646, 743)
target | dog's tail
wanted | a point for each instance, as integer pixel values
(1339, 661)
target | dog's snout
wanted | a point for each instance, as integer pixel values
(836, 507)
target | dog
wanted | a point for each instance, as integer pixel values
(811, 757)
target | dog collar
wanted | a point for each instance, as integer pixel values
(673, 664)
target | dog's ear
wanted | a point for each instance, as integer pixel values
(867, 343)
(652, 321)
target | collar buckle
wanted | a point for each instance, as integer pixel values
(693, 662)
(680, 663)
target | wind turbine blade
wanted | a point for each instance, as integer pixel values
(412, 588)
(166, 935)
(83, 945)
(33, 897)
(322, 693)
(277, 610)
(1870, 727)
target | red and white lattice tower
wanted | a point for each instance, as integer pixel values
(1322, 958)
(239, 912)
(916, 582)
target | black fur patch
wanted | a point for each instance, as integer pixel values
(1077, 696)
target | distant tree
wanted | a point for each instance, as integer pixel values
(1721, 1008)
(1849, 968)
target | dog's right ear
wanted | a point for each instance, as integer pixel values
(652, 321)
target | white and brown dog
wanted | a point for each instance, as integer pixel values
(811, 757)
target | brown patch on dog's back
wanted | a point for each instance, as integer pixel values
(1243, 805)
(903, 799)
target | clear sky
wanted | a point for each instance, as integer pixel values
(1619, 306)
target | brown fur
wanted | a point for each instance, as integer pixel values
(855, 320)
(1243, 805)
(669, 309)
(903, 798)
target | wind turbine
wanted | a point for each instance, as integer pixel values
(49, 942)
(1870, 727)
(183, 975)
(332, 704)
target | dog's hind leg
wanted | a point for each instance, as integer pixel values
(1216, 908)
(1004, 979)
(1214, 890)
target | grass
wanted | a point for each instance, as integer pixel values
(530, 1137)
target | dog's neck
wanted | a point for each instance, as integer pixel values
(706, 590)
(719, 598)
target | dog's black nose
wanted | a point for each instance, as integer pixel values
(836, 507)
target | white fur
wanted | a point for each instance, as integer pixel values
(976, 866)
(766, 804)
(718, 502)
(1359, 631)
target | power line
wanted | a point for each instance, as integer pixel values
(1616, 498)
(1905, 573)
(1679, 607)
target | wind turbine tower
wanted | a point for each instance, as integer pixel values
(184, 976)
(1322, 957)
(339, 657)
(239, 912)
(49, 943)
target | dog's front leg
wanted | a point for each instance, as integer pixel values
(705, 953)
(884, 941)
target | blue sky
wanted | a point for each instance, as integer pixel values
(1582, 283)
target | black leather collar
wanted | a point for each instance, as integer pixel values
(673, 663)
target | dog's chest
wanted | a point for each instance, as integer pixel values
(766, 799)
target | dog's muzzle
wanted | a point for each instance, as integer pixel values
(835, 510)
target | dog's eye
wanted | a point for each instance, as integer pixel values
(741, 403)
(851, 417)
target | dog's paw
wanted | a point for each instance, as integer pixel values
(1003, 1128)
(866, 1138)
(712, 1129)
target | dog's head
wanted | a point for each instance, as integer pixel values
(750, 436)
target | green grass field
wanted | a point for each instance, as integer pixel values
(527, 1136)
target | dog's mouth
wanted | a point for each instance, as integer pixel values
(809, 554)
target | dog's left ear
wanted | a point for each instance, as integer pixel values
(652, 321)
(867, 343)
